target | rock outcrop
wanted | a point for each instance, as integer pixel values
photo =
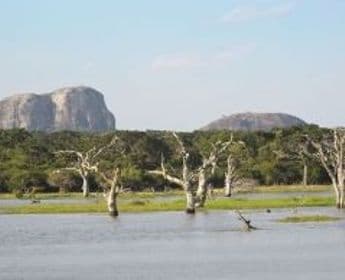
(73, 108)
(255, 122)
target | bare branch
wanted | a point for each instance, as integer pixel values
(103, 148)
(179, 141)
(247, 223)
(166, 176)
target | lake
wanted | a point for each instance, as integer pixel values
(172, 245)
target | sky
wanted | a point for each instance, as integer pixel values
(181, 64)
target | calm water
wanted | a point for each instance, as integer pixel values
(170, 246)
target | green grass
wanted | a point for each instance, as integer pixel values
(306, 219)
(46, 196)
(145, 205)
(98, 207)
(270, 203)
(149, 195)
(74, 195)
(285, 189)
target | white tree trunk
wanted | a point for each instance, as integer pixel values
(228, 185)
(331, 155)
(337, 193)
(340, 200)
(230, 176)
(201, 192)
(85, 186)
(190, 201)
(112, 202)
(112, 191)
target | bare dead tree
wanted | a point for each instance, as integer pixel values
(208, 162)
(185, 181)
(231, 176)
(246, 222)
(111, 189)
(210, 185)
(85, 163)
(330, 152)
(231, 173)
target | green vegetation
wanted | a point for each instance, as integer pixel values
(78, 195)
(27, 159)
(171, 193)
(283, 189)
(270, 203)
(147, 205)
(306, 219)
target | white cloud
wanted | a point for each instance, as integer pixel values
(250, 13)
(184, 61)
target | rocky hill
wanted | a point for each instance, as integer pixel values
(73, 108)
(254, 122)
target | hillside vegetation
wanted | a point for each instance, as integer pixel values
(27, 159)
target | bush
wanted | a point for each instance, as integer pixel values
(22, 180)
(18, 193)
(64, 181)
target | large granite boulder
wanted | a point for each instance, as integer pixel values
(73, 108)
(254, 122)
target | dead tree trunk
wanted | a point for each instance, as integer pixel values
(230, 176)
(186, 179)
(84, 163)
(112, 191)
(190, 201)
(228, 186)
(330, 152)
(204, 186)
(210, 185)
(112, 204)
(201, 192)
(85, 185)
(185, 182)
(204, 182)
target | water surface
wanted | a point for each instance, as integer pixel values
(170, 246)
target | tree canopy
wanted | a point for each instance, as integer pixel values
(28, 158)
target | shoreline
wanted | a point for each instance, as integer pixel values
(140, 206)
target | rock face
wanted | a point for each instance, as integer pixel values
(255, 122)
(73, 108)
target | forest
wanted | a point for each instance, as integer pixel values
(31, 159)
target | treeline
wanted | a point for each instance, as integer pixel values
(29, 159)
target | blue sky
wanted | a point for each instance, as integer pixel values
(180, 64)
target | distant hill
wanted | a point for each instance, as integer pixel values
(254, 122)
(72, 108)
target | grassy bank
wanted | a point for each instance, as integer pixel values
(285, 189)
(307, 219)
(150, 195)
(76, 195)
(145, 205)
